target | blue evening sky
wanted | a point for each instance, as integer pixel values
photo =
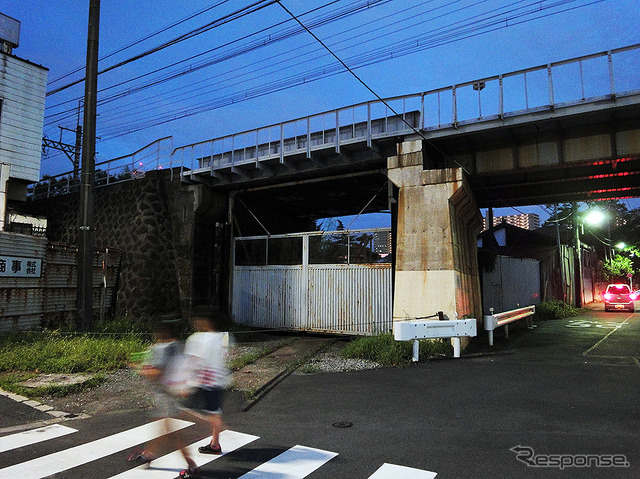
(53, 34)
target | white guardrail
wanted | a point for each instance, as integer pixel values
(493, 321)
(416, 329)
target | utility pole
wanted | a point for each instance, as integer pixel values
(85, 233)
(563, 284)
(578, 254)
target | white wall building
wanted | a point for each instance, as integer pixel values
(22, 96)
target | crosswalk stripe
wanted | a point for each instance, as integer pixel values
(33, 436)
(391, 471)
(295, 463)
(82, 454)
(168, 467)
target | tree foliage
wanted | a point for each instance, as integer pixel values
(617, 269)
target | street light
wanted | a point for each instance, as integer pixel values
(592, 217)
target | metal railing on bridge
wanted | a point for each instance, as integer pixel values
(586, 80)
(154, 156)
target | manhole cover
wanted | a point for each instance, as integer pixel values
(342, 424)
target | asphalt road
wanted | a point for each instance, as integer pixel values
(564, 393)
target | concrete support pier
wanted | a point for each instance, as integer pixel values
(438, 221)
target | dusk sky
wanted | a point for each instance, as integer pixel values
(250, 75)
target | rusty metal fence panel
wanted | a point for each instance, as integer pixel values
(339, 284)
(268, 296)
(21, 297)
(49, 299)
(350, 299)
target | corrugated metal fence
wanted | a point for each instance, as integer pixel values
(513, 283)
(38, 282)
(337, 282)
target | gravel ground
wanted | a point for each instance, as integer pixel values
(330, 361)
(126, 390)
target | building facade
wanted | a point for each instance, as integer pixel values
(527, 221)
(22, 98)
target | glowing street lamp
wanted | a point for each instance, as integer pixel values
(594, 217)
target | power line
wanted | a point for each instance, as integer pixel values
(374, 93)
(306, 77)
(143, 39)
(205, 28)
(260, 43)
(366, 59)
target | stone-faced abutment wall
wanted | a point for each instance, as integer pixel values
(166, 232)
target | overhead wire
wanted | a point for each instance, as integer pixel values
(306, 77)
(375, 94)
(322, 70)
(254, 7)
(260, 43)
(143, 39)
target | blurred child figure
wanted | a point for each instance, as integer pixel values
(165, 368)
(207, 351)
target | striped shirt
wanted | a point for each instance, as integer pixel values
(209, 350)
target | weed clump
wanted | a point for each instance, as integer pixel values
(385, 350)
(555, 310)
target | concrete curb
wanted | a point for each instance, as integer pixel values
(284, 373)
(56, 416)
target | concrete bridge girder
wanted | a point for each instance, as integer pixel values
(546, 157)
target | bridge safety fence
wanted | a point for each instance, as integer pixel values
(585, 80)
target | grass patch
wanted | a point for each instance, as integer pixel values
(25, 355)
(385, 350)
(555, 310)
(53, 352)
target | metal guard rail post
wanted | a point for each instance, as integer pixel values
(418, 328)
(493, 321)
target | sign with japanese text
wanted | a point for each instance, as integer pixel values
(12, 266)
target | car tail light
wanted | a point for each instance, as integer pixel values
(633, 296)
(608, 296)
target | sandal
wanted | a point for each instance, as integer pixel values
(189, 473)
(209, 449)
(139, 454)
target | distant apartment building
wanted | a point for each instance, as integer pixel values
(382, 242)
(527, 221)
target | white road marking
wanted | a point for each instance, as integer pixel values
(295, 463)
(33, 436)
(586, 353)
(169, 466)
(391, 471)
(76, 456)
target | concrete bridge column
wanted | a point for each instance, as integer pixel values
(438, 221)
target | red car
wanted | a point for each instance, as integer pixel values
(619, 296)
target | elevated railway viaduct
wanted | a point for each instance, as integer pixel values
(551, 133)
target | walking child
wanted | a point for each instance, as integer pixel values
(207, 349)
(165, 369)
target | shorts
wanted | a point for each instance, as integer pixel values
(205, 401)
(164, 405)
